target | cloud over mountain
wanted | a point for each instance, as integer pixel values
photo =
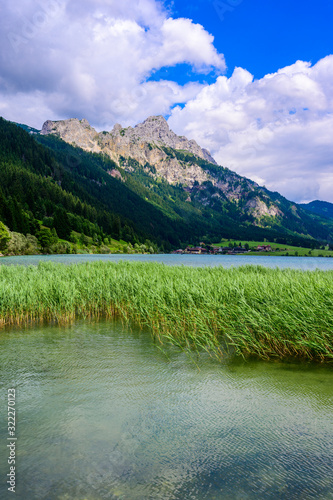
(277, 130)
(92, 59)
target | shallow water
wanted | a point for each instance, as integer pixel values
(104, 414)
(304, 263)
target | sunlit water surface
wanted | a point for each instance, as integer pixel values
(104, 414)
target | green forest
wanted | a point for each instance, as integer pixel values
(52, 193)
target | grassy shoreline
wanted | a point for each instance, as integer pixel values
(250, 309)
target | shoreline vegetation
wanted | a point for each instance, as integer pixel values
(47, 242)
(249, 310)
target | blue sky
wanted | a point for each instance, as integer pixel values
(261, 36)
(264, 35)
(250, 80)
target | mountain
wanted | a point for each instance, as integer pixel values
(322, 208)
(41, 186)
(137, 184)
(147, 143)
(151, 153)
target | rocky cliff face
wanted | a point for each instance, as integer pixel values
(144, 143)
(155, 130)
(75, 132)
(152, 142)
(258, 208)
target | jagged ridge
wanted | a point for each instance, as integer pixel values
(163, 154)
(150, 142)
(144, 143)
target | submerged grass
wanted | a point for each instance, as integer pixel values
(251, 309)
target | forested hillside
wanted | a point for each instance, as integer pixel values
(321, 208)
(221, 201)
(49, 188)
(39, 186)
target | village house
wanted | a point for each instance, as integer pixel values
(216, 250)
(196, 250)
(264, 248)
(225, 249)
(236, 250)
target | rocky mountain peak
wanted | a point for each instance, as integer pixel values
(85, 123)
(155, 126)
(156, 121)
(153, 144)
(146, 143)
(154, 131)
(117, 127)
(73, 131)
(65, 126)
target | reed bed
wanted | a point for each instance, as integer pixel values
(250, 309)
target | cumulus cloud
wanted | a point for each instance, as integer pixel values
(277, 130)
(93, 59)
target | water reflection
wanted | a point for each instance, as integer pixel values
(103, 414)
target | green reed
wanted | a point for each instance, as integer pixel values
(248, 310)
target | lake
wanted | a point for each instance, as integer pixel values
(305, 263)
(104, 414)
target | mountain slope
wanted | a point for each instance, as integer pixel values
(36, 182)
(322, 208)
(153, 205)
(45, 180)
(151, 154)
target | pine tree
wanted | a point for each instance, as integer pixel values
(61, 224)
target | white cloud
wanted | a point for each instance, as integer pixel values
(184, 41)
(92, 59)
(277, 130)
